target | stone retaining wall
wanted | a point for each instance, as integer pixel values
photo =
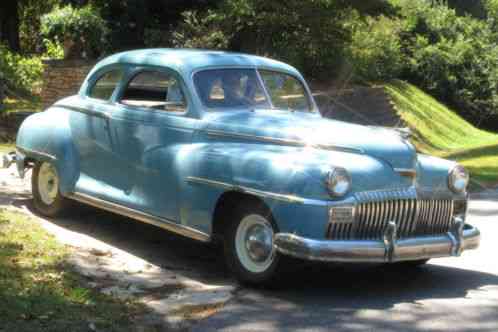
(62, 78)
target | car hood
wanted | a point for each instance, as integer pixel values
(302, 129)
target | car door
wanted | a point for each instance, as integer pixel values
(89, 122)
(152, 125)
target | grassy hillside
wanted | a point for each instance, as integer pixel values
(440, 131)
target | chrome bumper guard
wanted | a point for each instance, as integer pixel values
(461, 237)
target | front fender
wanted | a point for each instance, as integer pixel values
(290, 180)
(46, 136)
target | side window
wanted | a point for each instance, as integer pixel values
(155, 89)
(105, 85)
(286, 91)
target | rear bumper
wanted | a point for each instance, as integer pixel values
(461, 237)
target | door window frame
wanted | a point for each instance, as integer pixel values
(92, 81)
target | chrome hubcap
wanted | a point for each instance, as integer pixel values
(254, 243)
(259, 241)
(48, 183)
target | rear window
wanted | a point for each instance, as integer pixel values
(105, 85)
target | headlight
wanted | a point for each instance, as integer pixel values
(458, 179)
(338, 182)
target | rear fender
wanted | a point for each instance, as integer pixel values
(46, 136)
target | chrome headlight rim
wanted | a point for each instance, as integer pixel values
(338, 182)
(458, 173)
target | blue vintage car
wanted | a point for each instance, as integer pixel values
(231, 147)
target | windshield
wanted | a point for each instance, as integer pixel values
(242, 88)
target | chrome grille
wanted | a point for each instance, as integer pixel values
(414, 217)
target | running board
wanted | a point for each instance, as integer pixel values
(141, 216)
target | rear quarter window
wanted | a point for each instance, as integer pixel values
(104, 87)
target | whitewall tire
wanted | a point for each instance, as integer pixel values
(249, 247)
(45, 182)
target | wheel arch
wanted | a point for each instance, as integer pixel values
(226, 206)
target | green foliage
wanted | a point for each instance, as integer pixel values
(83, 28)
(375, 50)
(452, 57)
(492, 14)
(21, 73)
(440, 131)
(30, 12)
(53, 49)
(199, 31)
(308, 34)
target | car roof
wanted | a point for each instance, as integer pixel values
(190, 60)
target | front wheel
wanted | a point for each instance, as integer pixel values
(249, 247)
(47, 198)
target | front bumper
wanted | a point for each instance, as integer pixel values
(461, 237)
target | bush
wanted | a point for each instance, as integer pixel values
(53, 49)
(375, 50)
(199, 31)
(20, 73)
(82, 31)
(454, 58)
(310, 35)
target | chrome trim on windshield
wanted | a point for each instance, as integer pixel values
(256, 192)
(141, 216)
(284, 141)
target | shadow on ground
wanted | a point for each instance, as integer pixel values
(191, 259)
(308, 290)
(198, 260)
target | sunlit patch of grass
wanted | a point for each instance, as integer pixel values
(7, 147)
(40, 292)
(22, 104)
(440, 131)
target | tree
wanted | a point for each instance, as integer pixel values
(9, 24)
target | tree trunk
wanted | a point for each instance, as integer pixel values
(9, 24)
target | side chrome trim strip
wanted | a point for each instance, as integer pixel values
(256, 192)
(283, 141)
(26, 151)
(141, 216)
(102, 115)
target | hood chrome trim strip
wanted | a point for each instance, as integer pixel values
(284, 141)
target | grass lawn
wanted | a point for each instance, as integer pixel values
(7, 147)
(40, 292)
(440, 131)
(22, 104)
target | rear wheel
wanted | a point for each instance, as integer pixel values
(47, 198)
(249, 247)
